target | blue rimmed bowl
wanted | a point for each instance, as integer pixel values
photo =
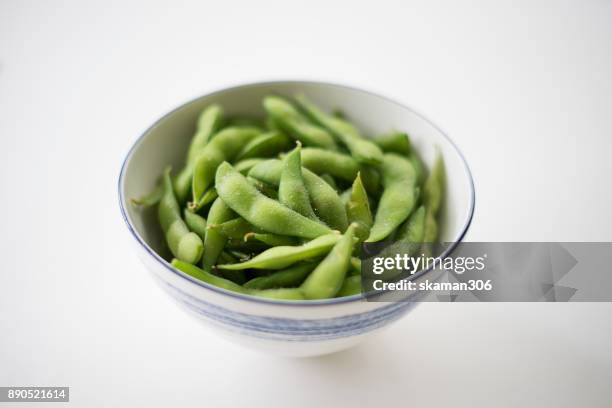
(287, 328)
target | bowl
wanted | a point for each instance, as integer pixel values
(298, 328)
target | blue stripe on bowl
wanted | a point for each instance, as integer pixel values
(293, 330)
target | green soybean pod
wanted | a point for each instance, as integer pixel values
(279, 294)
(350, 286)
(266, 145)
(355, 266)
(209, 196)
(431, 228)
(398, 197)
(291, 189)
(224, 147)
(434, 185)
(337, 164)
(371, 180)
(329, 179)
(236, 228)
(283, 256)
(204, 276)
(433, 189)
(346, 196)
(150, 199)
(207, 277)
(241, 245)
(412, 233)
(261, 211)
(272, 239)
(285, 278)
(263, 187)
(208, 122)
(184, 244)
(326, 280)
(195, 222)
(419, 167)
(215, 241)
(364, 151)
(394, 142)
(325, 200)
(243, 166)
(272, 125)
(358, 210)
(295, 124)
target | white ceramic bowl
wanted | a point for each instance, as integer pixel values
(286, 328)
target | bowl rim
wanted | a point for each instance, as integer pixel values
(301, 303)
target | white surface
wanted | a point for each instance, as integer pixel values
(524, 89)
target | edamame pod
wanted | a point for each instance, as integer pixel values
(432, 197)
(398, 198)
(419, 167)
(209, 196)
(215, 241)
(184, 244)
(291, 189)
(431, 228)
(297, 126)
(432, 189)
(243, 166)
(150, 199)
(195, 222)
(263, 187)
(394, 142)
(285, 278)
(236, 228)
(350, 286)
(355, 266)
(412, 233)
(325, 200)
(270, 215)
(329, 179)
(225, 146)
(281, 257)
(339, 165)
(346, 196)
(325, 281)
(279, 294)
(272, 239)
(265, 145)
(358, 210)
(208, 123)
(195, 272)
(207, 277)
(364, 151)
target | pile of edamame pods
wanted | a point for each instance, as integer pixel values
(278, 207)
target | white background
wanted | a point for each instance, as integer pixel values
(523, 88)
